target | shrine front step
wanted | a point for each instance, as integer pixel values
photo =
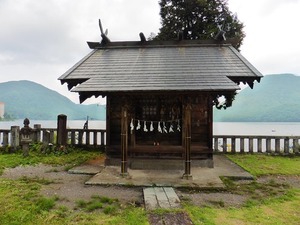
(160, 197)
(159, 164)
(167, 164)
(156, 164)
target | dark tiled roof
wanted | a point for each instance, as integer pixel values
(188, 67)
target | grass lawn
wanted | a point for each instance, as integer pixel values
(275, 206)
(21, 203)
(283, 210)
(269, 203)
(72, 158)
(259, 164)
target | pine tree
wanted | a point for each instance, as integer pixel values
(198, 19)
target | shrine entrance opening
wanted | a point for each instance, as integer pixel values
(157, 121)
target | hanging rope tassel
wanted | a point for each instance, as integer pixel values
(151, 126)
(145, 127)
(165, 128)
(178, 126)
(131, 125)
(138, 125)
(159, 128)
(171, 129)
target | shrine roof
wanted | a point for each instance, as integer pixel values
(159, 66)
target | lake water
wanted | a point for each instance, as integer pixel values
(220, 128)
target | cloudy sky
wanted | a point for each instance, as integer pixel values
(40, 40)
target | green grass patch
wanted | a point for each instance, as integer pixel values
(258, 164)
(71, 158)
(130, 216)
(21, 203)
(255, 191)
(282, 210)
(108, 205)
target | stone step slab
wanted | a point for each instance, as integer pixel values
(160, 197)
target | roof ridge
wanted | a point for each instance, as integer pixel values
(156, 44)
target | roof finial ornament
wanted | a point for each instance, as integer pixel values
(105, 39)
(142, 37)
(221, 33)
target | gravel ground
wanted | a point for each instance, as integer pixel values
(71, 188)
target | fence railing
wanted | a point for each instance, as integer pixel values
(76, 137)
(5, 136)
(259, 144)
(221, 143)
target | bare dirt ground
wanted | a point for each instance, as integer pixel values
(69, 188)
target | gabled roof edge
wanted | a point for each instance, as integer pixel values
(246, 62)
(64, 76)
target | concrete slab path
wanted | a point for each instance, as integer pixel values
(206, 178)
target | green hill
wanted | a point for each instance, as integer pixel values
(275, 99)
(28, 99)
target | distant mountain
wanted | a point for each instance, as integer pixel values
(28, 99)
(275, 99)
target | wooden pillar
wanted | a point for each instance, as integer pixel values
(124, 140)
(62, 133)
(187, 143)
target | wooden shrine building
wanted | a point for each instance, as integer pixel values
(160, 95)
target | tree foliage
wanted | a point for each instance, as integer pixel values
(198, 19)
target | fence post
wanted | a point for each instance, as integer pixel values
(95, 138)
(87, 137)
(216, 143)
(62, 130)
(80, 137)
(37, 132)
(73, 137)
(277, 145)
(233, 140)
(268, 145)
(46, 137)
(295, 145)
(52, 135)
(225, 145)
(102, 138)
(259, 145)
(5, 138)
(251, 145)
(15, 137)
(286, 145)
(242, 145)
